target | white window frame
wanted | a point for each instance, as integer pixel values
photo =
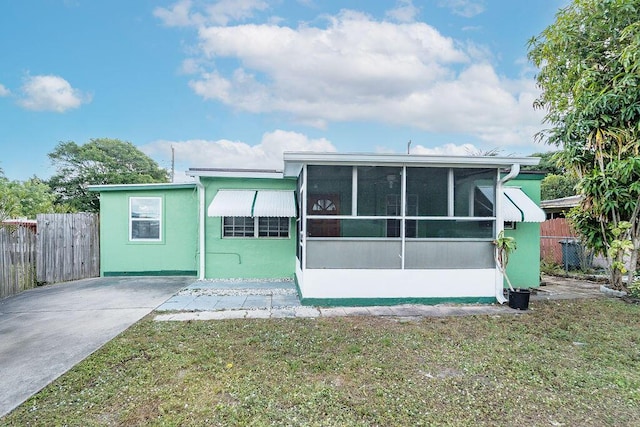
(256, 229)
(132, 219)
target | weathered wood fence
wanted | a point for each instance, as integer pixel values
(66, 247)
(552, 232)
(17, 259)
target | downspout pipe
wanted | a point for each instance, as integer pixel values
(201, 224)
(499, 284)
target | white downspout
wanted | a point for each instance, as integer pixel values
(515, 170)
(201, 234)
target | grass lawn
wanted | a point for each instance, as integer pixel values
(565, 363)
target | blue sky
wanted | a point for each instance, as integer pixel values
(233, 83)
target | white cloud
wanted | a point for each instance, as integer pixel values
(4, 91)
(445, 150)
(50, 93)
(356, 68)
(237, 154)
(221, 12)
(178, 15)
(405, 11)
(465, 8)
(224, 11)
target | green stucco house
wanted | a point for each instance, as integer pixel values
(349, 228)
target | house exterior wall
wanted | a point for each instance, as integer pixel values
(239, 257)
(175, 253)
(359, 287)
(524, 263)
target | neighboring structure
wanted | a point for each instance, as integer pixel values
(350, 228)
(557, 208)
(31, 224)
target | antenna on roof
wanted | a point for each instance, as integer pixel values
(409, 147)
(173, 162)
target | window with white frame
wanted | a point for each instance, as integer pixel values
(241, 226)
(145, 219)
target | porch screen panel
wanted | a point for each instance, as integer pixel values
(379, 189)
(448, 255)
(451, 229)
(351, 254)
(429, 188)
(329, 190)
(365, 228)
(468, 199)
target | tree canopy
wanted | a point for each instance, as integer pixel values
(558, 182)
(589, 71)
(99, 161)
(25, 199)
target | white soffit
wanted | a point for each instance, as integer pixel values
(232, 203)
(275, 204)
(518, 207)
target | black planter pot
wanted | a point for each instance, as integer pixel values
(519, 299)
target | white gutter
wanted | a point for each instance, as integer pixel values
(515, 170)
(201, 234)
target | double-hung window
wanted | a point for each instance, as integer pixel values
(245, 226)
(145, 219)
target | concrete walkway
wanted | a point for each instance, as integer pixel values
(46, 331)
(218, 300)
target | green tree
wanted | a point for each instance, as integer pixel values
(548, 163)
(589, 72)
(7, 201)
(26, 199)
(559, 181)
(100, 161)
(557, 186)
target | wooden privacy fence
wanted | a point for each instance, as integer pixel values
(68, 247)
(17, 259)
(552, 232)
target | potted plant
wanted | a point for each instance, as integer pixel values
(505, 245)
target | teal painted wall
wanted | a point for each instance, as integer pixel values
(240, 257)
(175, 254)
(524, 264)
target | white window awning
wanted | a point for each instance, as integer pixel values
(264, 203)
(518, 207)
(274, 203)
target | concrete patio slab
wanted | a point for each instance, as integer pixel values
(177, 303)
(254, 302)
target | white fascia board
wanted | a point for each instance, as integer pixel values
(235, 174)
(150, 186)
(405, 159)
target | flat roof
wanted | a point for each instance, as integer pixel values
(141, 187)
(293, 160)
(561, 203)
(235, 173)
